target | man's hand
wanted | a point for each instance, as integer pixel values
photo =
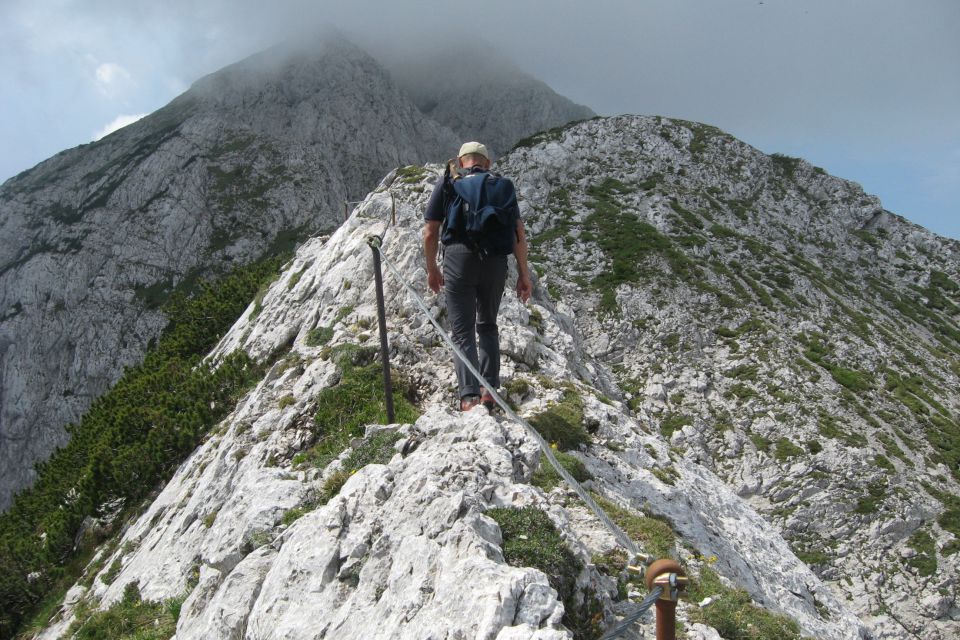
(434, 278)
(524, 287)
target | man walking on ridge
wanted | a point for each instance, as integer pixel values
(474, 213)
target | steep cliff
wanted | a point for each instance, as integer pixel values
(751, 363)
(250, 160)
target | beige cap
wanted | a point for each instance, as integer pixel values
(473, 147)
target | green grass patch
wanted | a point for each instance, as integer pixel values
(925, 562)
(550, 135)
(629, 242)
(950, 518)
(762, 443)
(745, 372)
(870, 503)
(377, 449)
(547, 478)
(411, 174)
(295, 277)
(318, 336)
(734, 615)
(357, 400)
(129, 619)
(741, 391)
(331, 487)
(530, 539)
(517, 387)
(562, 423)
(655, 535)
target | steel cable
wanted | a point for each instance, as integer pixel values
(622, 538)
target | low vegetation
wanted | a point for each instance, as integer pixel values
(547, 478)
(344, 409)
(562, 422)
(130, 619)
(530, 539)
(655, 535)
(131, 439)
(733, 614)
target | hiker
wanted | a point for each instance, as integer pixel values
(475, 262)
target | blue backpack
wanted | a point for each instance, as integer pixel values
(481, 213)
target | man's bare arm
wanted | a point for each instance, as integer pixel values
(524, 284)
(431, 245)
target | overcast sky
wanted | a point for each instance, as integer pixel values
(867, 89)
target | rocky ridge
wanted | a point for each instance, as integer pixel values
(250, 160)
(783, 330)
(389, 554)
(763, 355)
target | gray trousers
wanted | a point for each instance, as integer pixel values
(473, 290)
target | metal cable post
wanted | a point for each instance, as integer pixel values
(375, 242)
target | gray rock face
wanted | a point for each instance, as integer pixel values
(248, 161)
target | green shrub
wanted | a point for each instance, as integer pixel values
(925, 562)
(786, 449)
(536, 321)
(672, 422)
(131, 439)
(785, 164)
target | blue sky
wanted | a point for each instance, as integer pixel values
(867, 89)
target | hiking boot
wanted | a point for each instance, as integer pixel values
(487, 400)
(469, 402)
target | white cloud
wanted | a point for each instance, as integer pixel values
(118, 123)
(110, 72)
(112, 79)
